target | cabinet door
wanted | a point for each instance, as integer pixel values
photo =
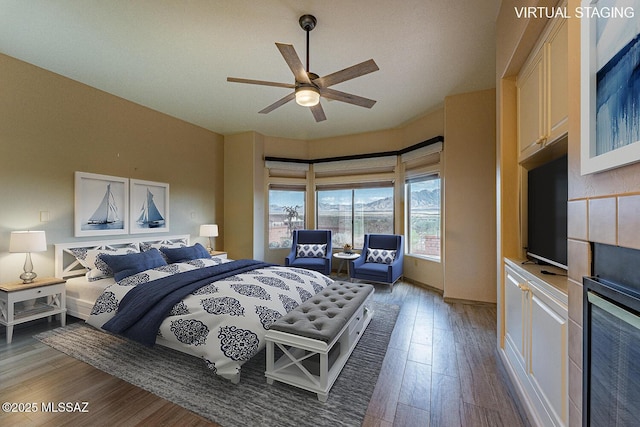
(515, 316)
(549, 354)
(530, 89)
(558, 80)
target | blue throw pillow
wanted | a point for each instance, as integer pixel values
(187, 253)
(130, 264)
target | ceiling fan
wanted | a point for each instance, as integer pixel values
(308, 86)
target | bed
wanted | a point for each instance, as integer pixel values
(227, 306)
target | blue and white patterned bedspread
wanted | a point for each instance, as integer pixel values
(224, 322)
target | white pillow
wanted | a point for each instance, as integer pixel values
(381, 256)
(178, 244)
(98, 269)
(314, 250)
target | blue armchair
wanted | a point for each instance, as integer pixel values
(364, 268)
(311, 237)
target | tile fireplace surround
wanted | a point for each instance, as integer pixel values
(609, 220)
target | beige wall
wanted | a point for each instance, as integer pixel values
(418, 130)
(244, 190)
(470, 197)
(51, 126)
(370, 142)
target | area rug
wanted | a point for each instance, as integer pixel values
(186, 381)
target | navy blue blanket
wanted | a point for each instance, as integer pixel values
(144, 307)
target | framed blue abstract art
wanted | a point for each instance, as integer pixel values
(610, 81)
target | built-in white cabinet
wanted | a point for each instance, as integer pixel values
(534, 345)
(542, 92)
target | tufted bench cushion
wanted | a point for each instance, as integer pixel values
(322, 316)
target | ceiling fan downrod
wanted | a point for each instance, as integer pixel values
(308, 23)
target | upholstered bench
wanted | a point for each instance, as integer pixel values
(318, 336)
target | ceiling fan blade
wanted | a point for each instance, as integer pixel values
(352, 72)
(347, 97)
(293, 60)
(318, 112)
(260, 82)
(278, 103)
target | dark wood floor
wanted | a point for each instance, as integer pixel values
(441, 369)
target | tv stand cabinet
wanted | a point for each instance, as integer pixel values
(534, 345)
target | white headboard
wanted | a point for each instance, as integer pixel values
(66, 264)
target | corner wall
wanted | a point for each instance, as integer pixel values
(244, 201)
(470, 196)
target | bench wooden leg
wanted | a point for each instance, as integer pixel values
(270, 361)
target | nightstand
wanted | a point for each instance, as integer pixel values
(50, 295)
(219, 254)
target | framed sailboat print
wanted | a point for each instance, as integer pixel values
(149, 209)
(101, 205)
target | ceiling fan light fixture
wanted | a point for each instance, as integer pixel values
(307, 96)
(309, 87)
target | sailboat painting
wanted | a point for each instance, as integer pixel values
(101, 204)
(149, 206)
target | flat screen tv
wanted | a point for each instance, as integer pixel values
(547, 213)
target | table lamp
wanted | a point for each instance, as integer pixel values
(27, 242)
(209, 230)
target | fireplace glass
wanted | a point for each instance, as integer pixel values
(614, 363)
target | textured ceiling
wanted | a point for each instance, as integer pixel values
(175, 56)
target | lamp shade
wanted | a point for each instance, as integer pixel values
(27, 241)
(307, 96)
(209, 230)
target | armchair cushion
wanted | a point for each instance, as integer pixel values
(380, 256)
(318, 264)
(311, 250)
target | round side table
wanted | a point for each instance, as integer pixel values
(345, 257)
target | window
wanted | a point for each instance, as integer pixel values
(286, 213)
(423, 216)
(352, 213)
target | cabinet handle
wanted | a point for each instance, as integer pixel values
(541, 140)
(523, 287)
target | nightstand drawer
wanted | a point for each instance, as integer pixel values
(42, 291)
